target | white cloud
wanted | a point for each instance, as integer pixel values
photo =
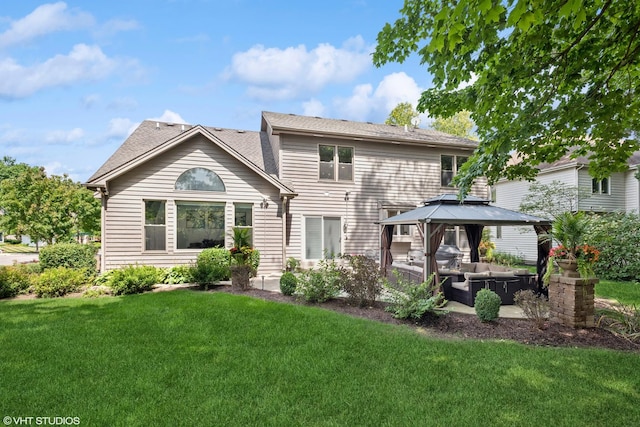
(313, 107)
(274, 73)
(365, 103)
(64, 136)
(114, 26)
(169, 117)
(83, 63)
(45, 19)
(120, 128)
(89, 101)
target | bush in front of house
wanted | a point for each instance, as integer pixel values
(70, 255)
(59, 281)
(212, 266)
(133, 279)
(410, 301)
(487, 305)
(288, 283)
(362, 281)
(14, 279)
(320, 285)
(615, 235)
(177, 275)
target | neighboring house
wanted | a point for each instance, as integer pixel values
(307, 187)
(619, 192)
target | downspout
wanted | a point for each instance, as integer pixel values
(104, 197)
(285, 213)
(578, 186)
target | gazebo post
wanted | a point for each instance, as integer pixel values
(427, 252)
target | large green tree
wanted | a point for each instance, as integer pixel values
(46, 208)
(460, 124)
(541, 77)
(402, 115)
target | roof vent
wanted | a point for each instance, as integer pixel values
(182, 128)
(217, 129)
(157, 125)
(169, 124)
(240, 131)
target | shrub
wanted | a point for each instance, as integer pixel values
(410, 301)
(623, 320)
(487, 305)
(535, 307)
(212, 266)
(293, 264)
(615, 235)
(14, 279)
(320, 285)
(177, 275)
(363, 281)
(59, 281)
(288, 283)
(503, 258)
(70, 255)
(133, 279)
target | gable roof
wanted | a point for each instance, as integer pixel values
(294, 124)
(151, 138)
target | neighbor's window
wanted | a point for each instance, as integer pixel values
(155, 225)
(600, 186)
(449, 166)
(399, 230)
(336, 162)
(199, 179)
(199, 225)
(244, 217)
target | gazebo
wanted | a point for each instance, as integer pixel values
(473, 213)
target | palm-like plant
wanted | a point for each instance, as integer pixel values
(569, 230)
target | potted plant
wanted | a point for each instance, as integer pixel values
(241, 258)
(572, 255)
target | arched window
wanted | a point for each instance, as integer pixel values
(199, 179)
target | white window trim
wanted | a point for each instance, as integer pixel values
(336, 163)
(144, 225)
(454, 165)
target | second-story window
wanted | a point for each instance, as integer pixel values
(449, 166)
(600, 186)
(336, 162)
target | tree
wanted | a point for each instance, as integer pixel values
(550, 200)
(459, 124)
(46, 208)
(540, 78)
(402, 115)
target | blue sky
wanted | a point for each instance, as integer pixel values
(76, 77)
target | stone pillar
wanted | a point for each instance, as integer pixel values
(571, 301)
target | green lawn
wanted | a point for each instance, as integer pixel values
(624, 292)
(17, 249)
(196, 358)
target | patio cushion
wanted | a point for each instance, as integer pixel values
(481, 266)
(463, 286)
(501, 274)
(482, 275)
(467, 267)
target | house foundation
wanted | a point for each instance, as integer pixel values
(571, 301)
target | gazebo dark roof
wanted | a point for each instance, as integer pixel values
(448, 209)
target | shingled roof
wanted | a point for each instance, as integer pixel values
(252, 146)
(292, 123)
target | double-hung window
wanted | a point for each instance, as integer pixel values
(600, 186)
(155, 225)
(244, 217)
(449, 166)
(336, 162)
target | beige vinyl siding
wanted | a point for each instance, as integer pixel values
(383, 173)
(155, 180)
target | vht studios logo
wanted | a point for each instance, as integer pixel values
(41, 421)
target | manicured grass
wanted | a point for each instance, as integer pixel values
(196, 358)
(624, 292)
(17, 249)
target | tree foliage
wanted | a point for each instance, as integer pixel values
(550, 200)
(46, 208)
(459, 124)
(403, 114)
(541, 77)
(616, 237)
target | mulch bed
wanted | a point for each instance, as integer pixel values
(466, 326)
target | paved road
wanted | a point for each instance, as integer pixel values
(9, 259)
